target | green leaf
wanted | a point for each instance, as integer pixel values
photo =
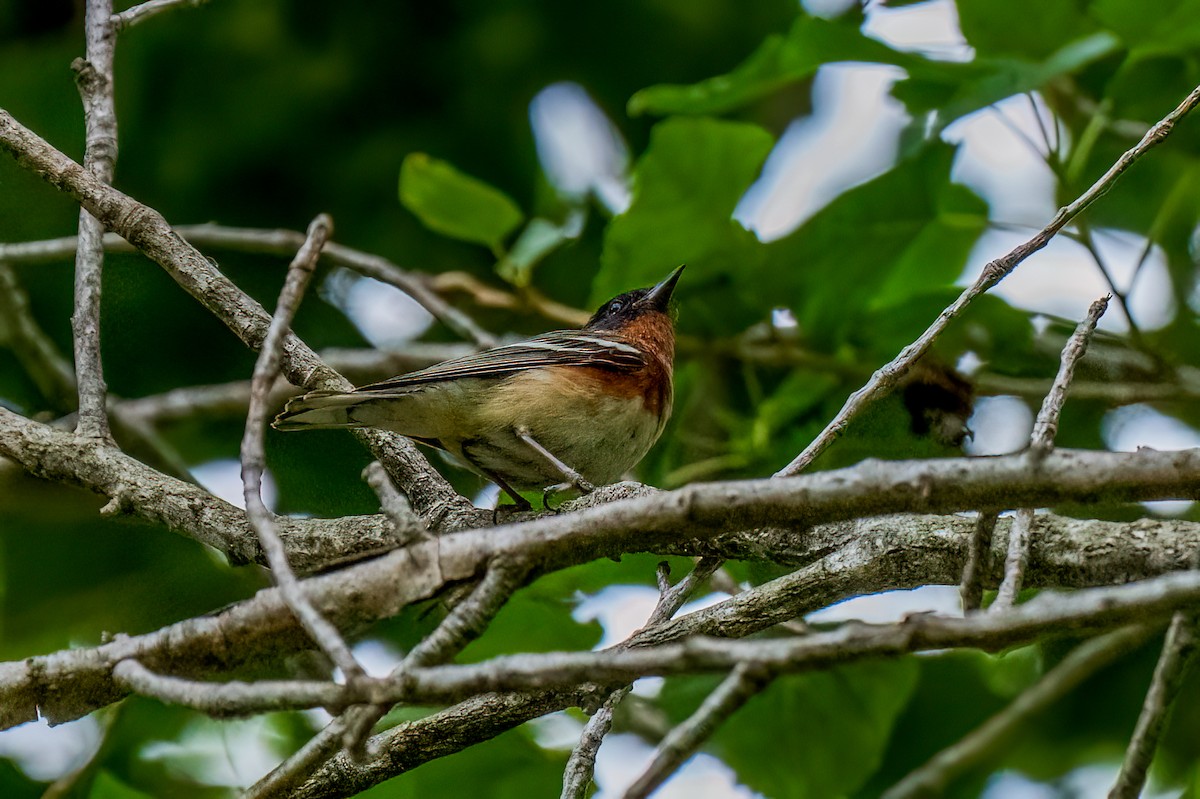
(686, 187)
(538, 619)
(1173, 28)
(988, 26)
(510, 766)
(539, 238)
(813, 735)
(1010, 673)
(953, 90)
(780, 60)
(455, 204)
(875, 245)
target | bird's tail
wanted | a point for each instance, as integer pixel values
(318, 410)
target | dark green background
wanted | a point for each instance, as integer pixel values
(266, 113)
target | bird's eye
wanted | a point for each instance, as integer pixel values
(615, 306)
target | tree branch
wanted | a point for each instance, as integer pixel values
(887, 376)
(152, 8)
(149, 232)
(253, 456)
(998, 732)
(577, 777)
(686, 521)
(862, 558)
(1041, 442)
(1082, 611)
(1178, 650)
(94, 76)
(50, 372)
(743, 683)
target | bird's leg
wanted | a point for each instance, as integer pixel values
(571, 478)
(520, 503)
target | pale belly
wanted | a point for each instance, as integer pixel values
(600, 437)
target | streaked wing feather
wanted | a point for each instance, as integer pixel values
(557, 348)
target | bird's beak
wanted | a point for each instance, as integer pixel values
(659, 297)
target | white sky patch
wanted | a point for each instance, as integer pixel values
(559, 731)
(1128, 428)
(624, 609)
(1000, 424)
(1063, 280)
(223, 753)
(1001, 156)
(892, 606)
(488, 497)
(852, 136)
(1011, 785)
(386, 316)
(620, 609)
(930, 28)
(969, 363)
(46, 753)
(223, 478)
(623, 758)
(581, 151)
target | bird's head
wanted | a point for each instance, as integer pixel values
(624, 308)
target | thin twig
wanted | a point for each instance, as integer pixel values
(1041, 442)
(886, 378)
(413, 284)
(406, 524)
(742, 684)
(432, 496)
(1082, 612)
(581, 766)
(253, 460)
(351, 728)
(152, 8)
(971, 588)
(94, 76)
(989, 740)
(1089, 243)
(1178, 650)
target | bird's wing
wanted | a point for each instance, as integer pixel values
(557, 348)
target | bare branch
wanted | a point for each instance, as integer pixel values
(1178, 650)
(887, 376)
(861, 560)
(233, 398)
(1083, 611)
(94, 76)
(261, 520)
(1041, 442)
(137, 491)
(152, 8)
(682, 742)
(406, 525)
(971, 587)
(999, 732)
(1046, 425)
(351, 728)
(146, 229)
(577, 777)
(694, 520)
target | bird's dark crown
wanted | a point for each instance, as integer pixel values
(626, 307)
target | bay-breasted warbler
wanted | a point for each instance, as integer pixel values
(569, 408)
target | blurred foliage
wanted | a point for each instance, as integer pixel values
(265, 112)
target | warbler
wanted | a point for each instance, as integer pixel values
(565, 409)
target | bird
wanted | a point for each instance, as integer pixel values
(563, 410)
